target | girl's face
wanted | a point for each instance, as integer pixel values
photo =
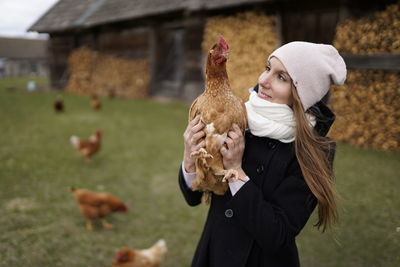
(275, 84)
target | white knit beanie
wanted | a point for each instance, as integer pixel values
(313, 68)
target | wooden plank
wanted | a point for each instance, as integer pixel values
(390, 62)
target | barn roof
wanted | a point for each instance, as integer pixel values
(19, 48)
(73, 14)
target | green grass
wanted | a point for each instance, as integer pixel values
(368, 182)
(142, 149)
(21, 83)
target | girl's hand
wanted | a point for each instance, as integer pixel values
(193, 133)
(232, 153)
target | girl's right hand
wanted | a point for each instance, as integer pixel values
(193, 133)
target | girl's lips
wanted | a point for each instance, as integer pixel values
(263, 95)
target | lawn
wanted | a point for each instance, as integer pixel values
(142, 149)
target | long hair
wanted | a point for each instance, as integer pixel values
(312, 155)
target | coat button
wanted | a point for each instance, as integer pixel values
(228, 213)
(260, 169)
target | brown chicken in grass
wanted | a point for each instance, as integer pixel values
(87, 148)
(218, 108)
(96, 104)
(96, 206)
(151, 257)
(58, 104)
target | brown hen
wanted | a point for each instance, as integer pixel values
(151, 257)
(219, 108)
(96, 104)
(58, 104)
(87, 148)
(96, 206)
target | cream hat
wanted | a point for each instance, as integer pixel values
(313, 68)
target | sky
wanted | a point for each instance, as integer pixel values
(16, 16)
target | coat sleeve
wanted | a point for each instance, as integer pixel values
(275, 222)
(193, 198)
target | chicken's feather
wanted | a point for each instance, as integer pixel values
(218, 108)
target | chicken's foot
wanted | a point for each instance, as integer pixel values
(87, 159)
(89, 226)
(106, 225)
(231, 176)
(202, 155)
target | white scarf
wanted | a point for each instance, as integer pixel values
(276, 121)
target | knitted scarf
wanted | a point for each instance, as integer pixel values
(276, 121)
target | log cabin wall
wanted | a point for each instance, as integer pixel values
(193, 59)
(178, 59)
(128, 43)
(60, 46)
(168, 75)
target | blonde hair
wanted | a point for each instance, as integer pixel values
(312, 155)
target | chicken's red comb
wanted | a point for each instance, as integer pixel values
(223, 43)
(121, 256)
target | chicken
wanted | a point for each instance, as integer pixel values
(111, 93)
(96, 104)
(150, 257)
(95, 206)
(87, 148)
(219, 108)
(59, 104)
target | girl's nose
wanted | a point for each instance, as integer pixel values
(264, 80)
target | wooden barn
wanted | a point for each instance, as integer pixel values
(169, 34)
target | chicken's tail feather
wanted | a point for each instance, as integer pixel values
(75, 141)
(162, 245)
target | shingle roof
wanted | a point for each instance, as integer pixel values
(117, 10)
(19, 48)
(70, 14)
(63, 15)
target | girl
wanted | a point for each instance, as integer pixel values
(284, 158)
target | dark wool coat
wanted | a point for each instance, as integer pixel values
(258, 226)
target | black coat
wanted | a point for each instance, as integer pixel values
(258, 226)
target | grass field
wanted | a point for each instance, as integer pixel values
(142, 149)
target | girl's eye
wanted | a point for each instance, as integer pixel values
(267, 68)
(281, 77)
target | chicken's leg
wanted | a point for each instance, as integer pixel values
(106, 225)
(89, 225)
(231, 176)
(87, 159)
(202, 155)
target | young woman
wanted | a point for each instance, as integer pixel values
(284, 158)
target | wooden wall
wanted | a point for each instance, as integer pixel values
(128, 43)
(60, 46)
(177, 58)
(125, 43)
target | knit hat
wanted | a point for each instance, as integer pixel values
(313, 68)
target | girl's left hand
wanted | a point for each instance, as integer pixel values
(232, 153)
